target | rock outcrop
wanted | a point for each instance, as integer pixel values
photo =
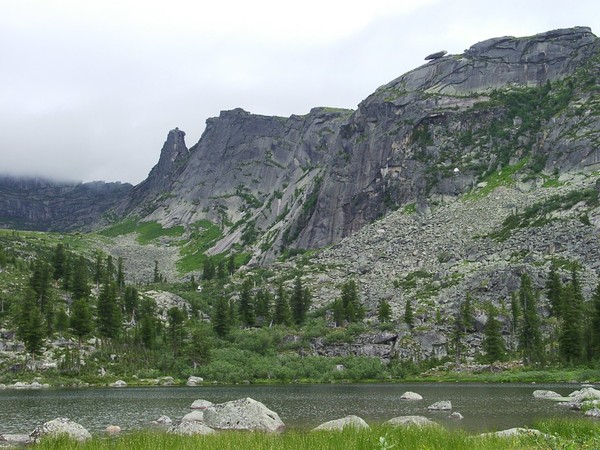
(350, 421)
(58, 427)
(243, 414)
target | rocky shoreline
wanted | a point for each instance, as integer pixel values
(247, 414)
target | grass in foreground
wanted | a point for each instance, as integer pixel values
(564, 434)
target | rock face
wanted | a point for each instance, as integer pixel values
(44, 205)
(59, 427)
(345, 422)
(308, 181)
(244, 414)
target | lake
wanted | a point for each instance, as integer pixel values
(486, 407)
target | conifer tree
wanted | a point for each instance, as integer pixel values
(458, 331)
(339, 313)
(30, 324)
(264, 305)
(571, 331)
(467, 312)
(120, 275)
(209, 270)
(221, 317)
(98, 268)
(384, 311)
(595, 324)
(246, 310)
(80, 288)
(221, 273)
(515, 311)
(147, 327)
(231, 264)
(81, 318)
(110, 268)
(40, 283)
(493, 344)
(108, 311)
(176, 319)
(156, 278)
(130, 300)
(353, 310)
(554, 290)
(59, 262)
(408, 313)
(281, 315)
(530, 336)
(299, 302)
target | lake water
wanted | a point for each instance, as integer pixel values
(485, 407)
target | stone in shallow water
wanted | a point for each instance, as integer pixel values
(243, 414)
(201, 404)
(411, 396)
(443, 405)
(408, 421)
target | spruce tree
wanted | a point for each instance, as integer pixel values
(384, 311)
(98, 268)
(570, 339)
(120, 275)
(264, 305)
(221, 272)
(59, 262)
(231, 264)
(246, 310)
(353, 309)
(130, 300)
(530, 336)
(595, 325)
(468, 313)
(339, 313)
(458, 331)
(281, 315)
(40, 283)
(81, 319)
(80, 287)
(176, 319)
(221, 320)
(298, 302)
(493, 344)
(156, 278)
(554, 290)
(108, 311)
(30, 324)
(408, 313)
(515, 311)
(209, 270)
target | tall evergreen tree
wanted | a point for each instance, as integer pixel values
(209, 270)
(530, 336)
(493, 344)
(571, 331)
(281, 315)
(458, 331)
(80, 287)
(131, 301)
(554, 290)
(221, 272)
(120, 275)
(30, 324)
(81, 318)
(108, 311)
(264, 305)
(515, 311)
(156, 278)
(246, 310)
(353, 309)
(176, 319)
(98, 268)
(231, 264)
(595, 325)
(384, 311)
(298, 302)
(408, 313)
(221, 320)
(40, 283)
(467, 312)
(59, 261)
(110, 268)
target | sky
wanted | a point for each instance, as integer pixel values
(89, 89)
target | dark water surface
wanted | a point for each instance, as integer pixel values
(485, 406)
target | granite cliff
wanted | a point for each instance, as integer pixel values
(434, 133)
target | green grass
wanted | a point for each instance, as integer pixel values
(550, 375)
(203, 236)
(146, 231)
(504, 177)
(562, 434)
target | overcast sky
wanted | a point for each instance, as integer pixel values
(89, 89)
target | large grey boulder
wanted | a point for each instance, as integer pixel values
(350, 421)
(443, 405)
(194, 416)
(413, 396)
(194, 381)
(163, 420)
(119, 383)
(201, 404)
(14, 440)
(243, 414)
(541, 393)
(60, 426)
(514, 432)
(594, 412)
(584, 394)
(408, 421)
(191, 428)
